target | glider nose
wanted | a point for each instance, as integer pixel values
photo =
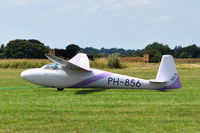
(36, 76)
(26, 74)
(30, 75)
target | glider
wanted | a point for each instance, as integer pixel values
(76, 73)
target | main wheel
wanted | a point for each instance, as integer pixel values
(60, 89)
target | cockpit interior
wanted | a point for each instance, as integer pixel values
(52, 66)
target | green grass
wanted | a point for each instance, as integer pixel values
(92, 110)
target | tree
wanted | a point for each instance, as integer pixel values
(176, 51)
(91, 50)
(191, 51)
(163, 49)
(2, 48)
(154, 55)
(1, 51)
(73, 47)
(155, 51)
(25, 49)
(184, 55)
(72, 50)
(34, 41)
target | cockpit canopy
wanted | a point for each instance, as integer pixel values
(52, 66)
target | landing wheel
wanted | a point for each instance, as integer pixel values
(60, 89)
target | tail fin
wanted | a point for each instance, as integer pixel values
(167, 73)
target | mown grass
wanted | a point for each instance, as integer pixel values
(94, 110)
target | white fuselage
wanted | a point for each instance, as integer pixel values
(76, 73)
(63, 78)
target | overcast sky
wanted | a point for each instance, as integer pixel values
(129, 24)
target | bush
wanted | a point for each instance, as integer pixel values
(99, 63)
(114, 61)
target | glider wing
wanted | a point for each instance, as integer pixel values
(80, 61)
(57, 60)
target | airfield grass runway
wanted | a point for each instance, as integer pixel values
(93, 110)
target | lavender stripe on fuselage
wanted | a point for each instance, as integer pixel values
(91, 80)
(176, 84)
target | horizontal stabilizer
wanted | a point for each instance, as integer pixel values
(157, 81)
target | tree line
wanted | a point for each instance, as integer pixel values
(18, 49)
(34, 49)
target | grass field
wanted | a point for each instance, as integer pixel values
(97, 63)
(92, 110)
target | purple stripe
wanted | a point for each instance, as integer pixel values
(91, 80)
(176, 84)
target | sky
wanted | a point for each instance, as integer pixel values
(128, 24)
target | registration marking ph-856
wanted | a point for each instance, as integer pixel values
(126, 82)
